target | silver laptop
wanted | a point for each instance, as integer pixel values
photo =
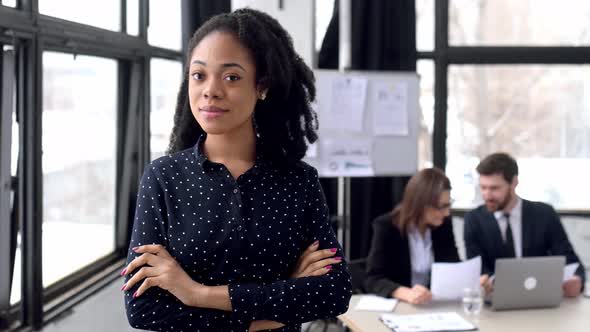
(529, 282)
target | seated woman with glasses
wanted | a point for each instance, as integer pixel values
(407, 240)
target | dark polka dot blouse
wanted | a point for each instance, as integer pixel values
(246, 233)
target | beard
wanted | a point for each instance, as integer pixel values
(494, 205)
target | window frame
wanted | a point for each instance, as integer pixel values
(32, 33)
(445, 55)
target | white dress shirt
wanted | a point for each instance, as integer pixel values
(421, 256)
(515, 225)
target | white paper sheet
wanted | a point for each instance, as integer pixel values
(569, 271)
(375, 303)
(347, 106)
(449, 279)
(391, 112)
(440, 321)
(347, 157)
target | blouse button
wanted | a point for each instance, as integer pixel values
(235, 191)
(239, 227)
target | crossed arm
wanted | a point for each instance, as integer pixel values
(157, 268)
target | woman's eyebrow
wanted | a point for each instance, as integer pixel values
(224, 65)
(232, 64)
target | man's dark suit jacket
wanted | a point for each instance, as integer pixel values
(388, 264)
(542, 235)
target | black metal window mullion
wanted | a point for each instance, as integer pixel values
(30, 177)
(145, 111)
(123, 11)
(128, 161)
(441, 46)
(123, 92)
(144, 19)
(518, 55)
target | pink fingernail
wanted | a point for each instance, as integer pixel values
(338, 258)
(333, 250)
(124, 285)
(135, 294)
(329, 267)
(134, 248)
(123, 272)
(316, 243)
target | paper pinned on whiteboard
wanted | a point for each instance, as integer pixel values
(391, 108)
(347, 157)
(347, 105)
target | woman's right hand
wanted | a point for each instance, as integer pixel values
(314, 262)
(415, 295)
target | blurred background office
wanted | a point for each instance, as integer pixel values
(88, 90)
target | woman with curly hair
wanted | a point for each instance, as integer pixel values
(231, 229)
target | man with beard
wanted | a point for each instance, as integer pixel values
(509, 226)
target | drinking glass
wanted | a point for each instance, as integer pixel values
(472, 301)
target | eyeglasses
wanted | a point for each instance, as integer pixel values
(446, 206)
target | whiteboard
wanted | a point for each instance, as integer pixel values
(391, 155)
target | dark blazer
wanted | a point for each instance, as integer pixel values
(388, 264)
(542, 235)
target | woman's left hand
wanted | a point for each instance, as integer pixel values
(158, 268)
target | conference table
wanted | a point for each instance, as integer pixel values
(573, 315)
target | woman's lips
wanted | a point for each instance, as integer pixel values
(212, 112)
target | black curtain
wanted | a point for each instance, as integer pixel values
(383, 38)
(196, 12)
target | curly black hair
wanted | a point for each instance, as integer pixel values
(285, 119)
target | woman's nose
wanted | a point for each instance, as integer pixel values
(213, 90)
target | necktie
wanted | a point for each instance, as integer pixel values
(508, 239)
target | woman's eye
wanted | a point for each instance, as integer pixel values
(232, 78)
(198, 76)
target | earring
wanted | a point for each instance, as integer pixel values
(263, 96)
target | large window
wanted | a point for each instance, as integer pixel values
(9, 3)
(133, 17)
(323, 15)
(534, 108)
(522, 22)
(166, 77)
(537, 113)
(79, 132)
(425, 70)
(80, 142)
(511, 76)
(161, 32)
(103, 14)
(425, 25)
